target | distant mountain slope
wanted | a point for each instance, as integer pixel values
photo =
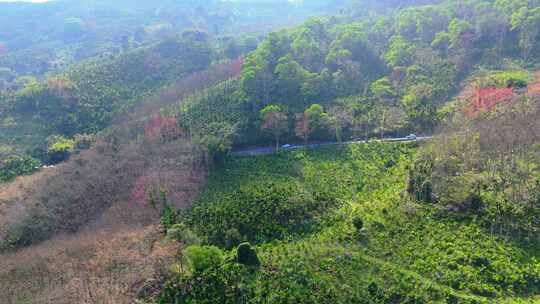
(39, 38)
(85, 97)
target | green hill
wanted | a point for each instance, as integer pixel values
(43, 38)
(301, 209)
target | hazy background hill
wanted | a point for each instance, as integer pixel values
(41, 38)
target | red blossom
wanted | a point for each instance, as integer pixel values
(233, 67)
(165, 127)
(139, 192)
(487, 98)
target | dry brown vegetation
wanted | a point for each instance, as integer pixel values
(103, 245)
(77, 191)
(104, 241)
(88, 267)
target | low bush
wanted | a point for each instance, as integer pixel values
(202, 258)
(511, 79)
(246, 255)
(358, 223)
(181, 233)
(59, 149)
(18, 165)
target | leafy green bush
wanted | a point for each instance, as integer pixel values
(202, 258)
(246, 255)
(511, 79)
(18, 165)
(419, 180)
(181, 233)
(168, 216)
(83, 141)
(358, 223)
(59, 149)
(232, 238)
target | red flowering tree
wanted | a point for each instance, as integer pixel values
(486, 99)
(236, 65)
(163, 127)
(144, 184)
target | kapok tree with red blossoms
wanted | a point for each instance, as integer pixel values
(163, 127)
(486, 99)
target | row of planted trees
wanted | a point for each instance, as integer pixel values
(338, 122)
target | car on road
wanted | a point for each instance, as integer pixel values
(286, 146)
(411, 137)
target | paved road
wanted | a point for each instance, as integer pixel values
(271, 150)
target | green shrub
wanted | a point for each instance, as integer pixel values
(419, 182)
(168, 216)
(83, 141)
(59, 149)
(246, 255)
(474, 202)
(232, 238)
(202, 258)
(358, 223)
(15, 166)
(181, 233)
(511, 79)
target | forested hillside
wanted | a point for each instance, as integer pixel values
(41, 38)
(143, 146)
(388, 74)
(88, 96)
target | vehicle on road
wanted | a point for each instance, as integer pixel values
(411, 137)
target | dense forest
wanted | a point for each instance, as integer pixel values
(373, 76)
(84, 98)
(413, 175)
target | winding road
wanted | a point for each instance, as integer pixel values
(271, 150)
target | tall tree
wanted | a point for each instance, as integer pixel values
(528, 22)
(274, 121)
(313, 120)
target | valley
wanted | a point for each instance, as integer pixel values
(270, 152)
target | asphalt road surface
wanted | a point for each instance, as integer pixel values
(271, 150)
